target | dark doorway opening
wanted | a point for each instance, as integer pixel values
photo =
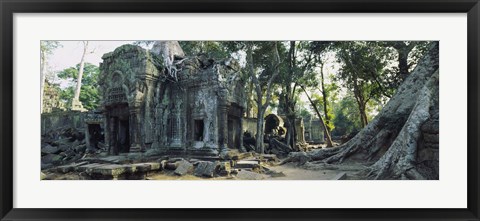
(123, 136)
(199, 129)
(119, 128)
(234, 132)
(95, 135)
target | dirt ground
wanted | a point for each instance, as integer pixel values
(290, 171)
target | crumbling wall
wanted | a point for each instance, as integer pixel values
(316, 133)
(300, 131)
(186, 110)
(128, 80)
(59, 120)
(250, 125)
(51, 99)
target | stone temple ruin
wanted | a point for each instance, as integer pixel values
(169, 113)
(197, 109)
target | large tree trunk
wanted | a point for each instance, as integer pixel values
(403, 62)
(324, 126)
(260, 129)
(76, 104)
(397, 144)
(262, 107)
(325, 101)
(289, 111)
(168, 50)
(43, 76)
(76, 97)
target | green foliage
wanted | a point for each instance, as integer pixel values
(318, 101)
(143, 43)
(47, 47)
(89, 95)
(364, 69)
(213, 49)
(347, 117)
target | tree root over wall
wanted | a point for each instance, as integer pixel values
(391, 142)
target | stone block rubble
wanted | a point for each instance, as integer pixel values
(234, 165)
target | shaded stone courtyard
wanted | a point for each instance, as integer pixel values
(68, 153)
(172, 117)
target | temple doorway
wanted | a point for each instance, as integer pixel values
(120, 128)
(234, 126)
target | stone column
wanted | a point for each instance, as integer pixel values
(106, 123)
(87, 138)
(148, 120)
(240, 128)
(135, 124)
(114, 136)
(223, 126)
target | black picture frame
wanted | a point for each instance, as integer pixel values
(9, 7)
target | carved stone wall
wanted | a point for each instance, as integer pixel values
(188, 111)
(51, 99)
(316, 131)
(128, 79)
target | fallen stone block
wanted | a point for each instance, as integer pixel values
(269, 157)
(224, 169)
(50, 150)
(80, 148)
(169, 166)
(154, 166)
(108, 171)
(130, 168)
(45, 166)
(183, 167)
(70, 167)
(235, 155)
(205, 169)
(174, 160)
(340, 176)
(141, 167)
(247, 164)
(51, 159)
(86, 167)
(65, 169)
(247, 175)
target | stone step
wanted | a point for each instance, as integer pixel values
(248, 175)
(111, 171)
(247, 164)
(70, 167)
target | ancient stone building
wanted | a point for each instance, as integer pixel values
(313, 131)
(193, 107)
(51, 99)
(276, 125)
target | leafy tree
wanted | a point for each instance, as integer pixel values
(296, 72)
(317, 50)
(347, 117)
(407, 54)
(89, 95)
(76, 103)
(390, 144)
(328, 93)
(46, 49)
(263, 70)
(363, 72)
(213, 49)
